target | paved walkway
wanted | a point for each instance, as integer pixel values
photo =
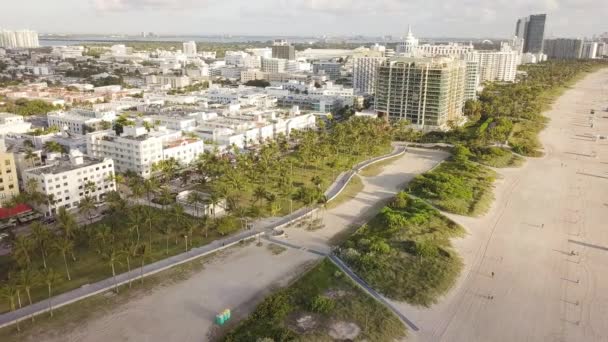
(153, 268)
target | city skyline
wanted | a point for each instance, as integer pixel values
(474, 18)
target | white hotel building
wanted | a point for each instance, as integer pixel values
(364, 73)
(137, 150)
(77, 121)
(496, 65)
(64, 180)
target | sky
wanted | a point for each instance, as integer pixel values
(429, 18)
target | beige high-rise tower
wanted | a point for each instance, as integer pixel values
(429, 92)
(9, 185)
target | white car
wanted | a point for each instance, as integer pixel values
(3, 236)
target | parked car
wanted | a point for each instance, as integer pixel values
(8, 224)
(28, 217)
(3, 236)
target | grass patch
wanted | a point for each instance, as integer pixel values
(405, 251)
(497, 157)
(90, 266)
(70, 317)
(326, 296)
(456, 186)
(377, 168)
(275, 249)
(350, 191)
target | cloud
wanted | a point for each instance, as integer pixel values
(127, 5)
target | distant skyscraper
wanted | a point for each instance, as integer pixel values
(562, 48)
(364, 73)
(190, 48)
(282, 49)
(532, 30)
(19, 39)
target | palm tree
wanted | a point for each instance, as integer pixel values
(130, 250)
(22, 247)
(28, 278)
(8, 291)
(89, 188)
(179, 217)
(111, 255)
(50, 277)
(64, 245)
(86, 206)
(30, 156)
(53, 146)
(195, 198)
(115, 202)
(42, 238)
(66, 222)
(259, 194)
(135, 221)
(144, 252)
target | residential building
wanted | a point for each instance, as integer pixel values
(170, 81)
(65, 52)
(496, 65)
(252, 75)
(471, 80)
(9, 185)
(137, 149)
(273, 65)
(364, 73)
(80, 121)
(13, 123)
(189, 48)
(563, 48)
(429, 92)
(333, 70)
(68, 180)
(18, 39)
(532, 30)
(284, 50)
(589, 50)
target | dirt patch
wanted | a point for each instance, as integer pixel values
(344, 331)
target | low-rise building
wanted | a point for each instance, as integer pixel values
(13, 123)
(138, 149)
(81, 121)
(66, 181)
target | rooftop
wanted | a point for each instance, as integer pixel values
(63, 165)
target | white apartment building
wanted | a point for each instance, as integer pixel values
(261, 52)
(80, 121)
(243, 59)
(273, 65)
(65, 52)
(496, 65)
(589, 50)
(173, 82)
(173, 122)
(249, 130)
(13, 123)
(331, 89)
(64, 180)
(189, 48)
(364, 73)
(19, 39)
(448, 50)
(137, 150)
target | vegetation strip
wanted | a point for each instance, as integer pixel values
(323, 305)
(405, 251)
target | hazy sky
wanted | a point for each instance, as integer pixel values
(429, 18)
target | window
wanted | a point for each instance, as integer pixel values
(7, 162)
(11, 186)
